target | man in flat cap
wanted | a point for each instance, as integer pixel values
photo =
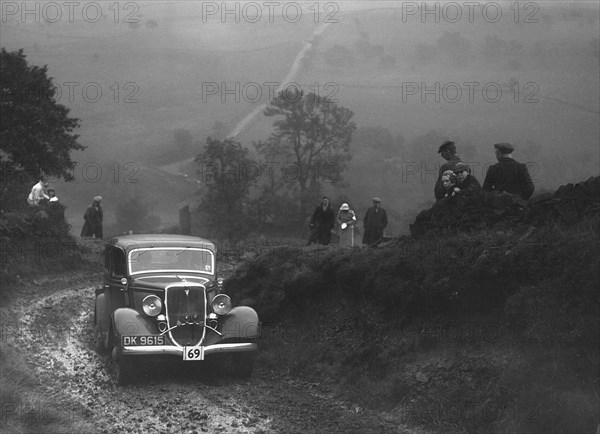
(508, 174)
(374, 223)
(466, 183)
(448, 151)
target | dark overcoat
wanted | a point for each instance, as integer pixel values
(511, 176)
(322, 222)
(92, 227)
(374, 223)
(469, 186)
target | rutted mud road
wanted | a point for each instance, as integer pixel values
(53, 332)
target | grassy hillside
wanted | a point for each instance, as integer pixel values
(491, 331)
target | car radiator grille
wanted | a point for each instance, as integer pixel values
(186, 305)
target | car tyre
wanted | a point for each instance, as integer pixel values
(123, 368)
(104, 343)
(101, 347)
(243, 364)
(124, 372)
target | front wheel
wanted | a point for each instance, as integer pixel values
(102, 329)
(101, 347)
(124, 372)
(123, 368)
(243, 364)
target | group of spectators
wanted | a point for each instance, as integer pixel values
(324, 220)
(46, 200)
(40, 193)
(454, 179)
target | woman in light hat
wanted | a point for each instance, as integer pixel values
(346, 219)
(93, 220)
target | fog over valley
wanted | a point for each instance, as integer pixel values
(151, 81)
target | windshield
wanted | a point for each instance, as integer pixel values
(171, 259)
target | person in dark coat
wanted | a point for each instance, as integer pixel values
(93, 220)
(466, 183)
(508, 174)
(54, 208)
(374, 223)
(448, 152)
(321, 223)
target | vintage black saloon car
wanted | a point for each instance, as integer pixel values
(162, 297)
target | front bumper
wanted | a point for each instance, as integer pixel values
(178, 351)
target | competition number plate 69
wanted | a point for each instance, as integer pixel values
(193, 353)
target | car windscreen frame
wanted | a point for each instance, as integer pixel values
(170, 270)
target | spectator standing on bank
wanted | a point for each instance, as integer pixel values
(448, 152)
(321, 223)
(93, 220)
(374, 223)
(508, 174)
(346, 219)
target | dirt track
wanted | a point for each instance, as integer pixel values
(53, 332)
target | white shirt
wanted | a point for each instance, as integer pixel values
(38, 192)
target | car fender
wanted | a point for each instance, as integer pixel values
(129, 322)
(241, 323)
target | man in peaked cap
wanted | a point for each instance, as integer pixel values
(466, 183)
(448, 151)
(508, 174)
(374, 223)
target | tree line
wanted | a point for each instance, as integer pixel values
(308, 149)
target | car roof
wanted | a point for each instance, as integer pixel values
(131, 242)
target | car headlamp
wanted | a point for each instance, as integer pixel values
(221, 304)
(152, 305)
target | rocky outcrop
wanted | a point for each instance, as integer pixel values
(567, 205)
